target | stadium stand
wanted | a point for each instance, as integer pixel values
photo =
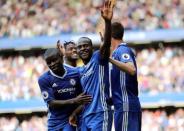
(21, 18)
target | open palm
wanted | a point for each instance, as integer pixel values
(107, 10)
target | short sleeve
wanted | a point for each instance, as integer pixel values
(46, 90)
(124, 55)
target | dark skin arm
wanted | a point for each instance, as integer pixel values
(80, 99)
(106, 13)
(75, 113)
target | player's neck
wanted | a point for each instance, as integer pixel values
(60, 71)
(71, 63)
(116, 44)
(85, 61)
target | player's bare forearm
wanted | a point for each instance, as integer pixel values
(61, 103)
(80, 99)
(73, 117)
(126, 67)
(106, 13)
(78, 110)
(105, 48)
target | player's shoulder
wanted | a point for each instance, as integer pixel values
(123, 46)
(44, 76)
(96, 52)
(71, 71)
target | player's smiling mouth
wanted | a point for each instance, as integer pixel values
(84, 53)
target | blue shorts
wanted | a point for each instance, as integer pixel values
(67, 127)
(101, 121)
(127, 121)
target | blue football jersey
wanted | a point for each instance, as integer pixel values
(95, 82)
(54, 87)
(124, 86)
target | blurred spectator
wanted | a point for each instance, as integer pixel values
(161, 70)
(18, 77)
(34, 123)
(22, 18)
(160, 121)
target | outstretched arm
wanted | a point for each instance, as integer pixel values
(106, 13)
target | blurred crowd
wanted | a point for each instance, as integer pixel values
(160, 121)
(18, 77)
(157, 120)
(29, 18)
(35, 123)
(159, 70)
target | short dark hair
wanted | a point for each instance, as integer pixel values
(85, 40)
(50, 52)
(117, 30)
(66, 43)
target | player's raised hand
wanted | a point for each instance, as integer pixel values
(60, 47)
(107, 10)
(82, 99)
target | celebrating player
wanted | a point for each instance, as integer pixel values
(70, 53)
(127, 114)
(97, 116)
(60, 88)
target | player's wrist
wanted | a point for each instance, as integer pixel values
(74, 114)
(107, 20)
(73, 101)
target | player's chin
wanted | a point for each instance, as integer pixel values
(75, 56)
(84, 56)
(54, 69)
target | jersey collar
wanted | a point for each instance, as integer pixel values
(61, 77)
(122, 44)
(119, 46)
(68, 65)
